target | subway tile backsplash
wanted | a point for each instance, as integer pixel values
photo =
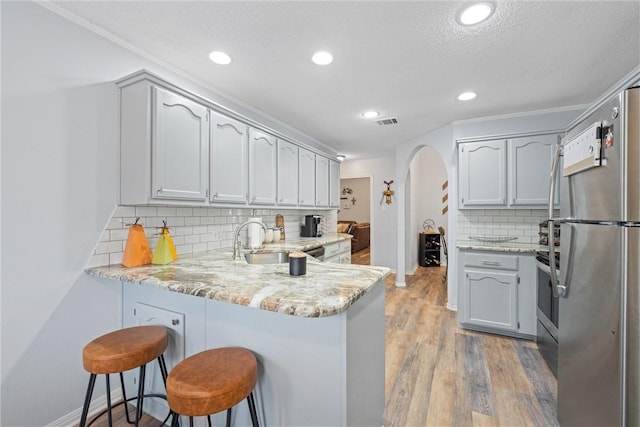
(192, 229)
(520, 223)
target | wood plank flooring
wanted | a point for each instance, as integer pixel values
(440, 375)
(361, 257)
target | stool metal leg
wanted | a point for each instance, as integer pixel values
(109, 416)
(209, 421)
(252, 410)
(190, 421)
(87, 400)
(228, 417)
(124, 399)
(140, 399)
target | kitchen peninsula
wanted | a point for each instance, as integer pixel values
(319, 338)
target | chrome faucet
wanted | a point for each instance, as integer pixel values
(236, 239)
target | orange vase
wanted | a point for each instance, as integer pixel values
(137, 250)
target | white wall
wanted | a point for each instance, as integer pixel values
(59, 188)
(383, 216)
(359, 211)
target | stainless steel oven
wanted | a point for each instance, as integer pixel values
(547, 313)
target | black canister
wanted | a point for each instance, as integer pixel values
(297, 263)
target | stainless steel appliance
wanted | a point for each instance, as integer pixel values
(599, 279)
(547, 313)
(311, 226)
(317, 253)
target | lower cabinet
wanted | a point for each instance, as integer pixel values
(145, 305)
(498, 292)
(338, 252)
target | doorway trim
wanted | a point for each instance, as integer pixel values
(371, 216)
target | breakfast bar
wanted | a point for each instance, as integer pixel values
(318, 338)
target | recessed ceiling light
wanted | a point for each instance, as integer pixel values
(220, 58)
(370, 114)
(341, 157)
(322, 58)
(466, 96)
(475, 13)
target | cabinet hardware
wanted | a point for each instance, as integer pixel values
(463, 200)
(134, 312)
(518, 325)
(175, 322)
(490, 262)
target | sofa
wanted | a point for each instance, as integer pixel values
(360, 232)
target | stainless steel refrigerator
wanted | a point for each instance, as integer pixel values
(599, 277)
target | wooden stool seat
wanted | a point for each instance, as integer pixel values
(124, 349)
(212, 381)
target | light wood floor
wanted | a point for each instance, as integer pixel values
(362, 257)
(440, 375)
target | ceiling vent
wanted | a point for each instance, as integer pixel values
(389, 121)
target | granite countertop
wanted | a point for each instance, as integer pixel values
(325, 290)
(531, 248)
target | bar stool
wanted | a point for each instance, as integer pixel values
(120, 351)
(212, 381)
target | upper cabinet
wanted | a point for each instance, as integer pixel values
(511, 173)
(229, 157)
(307, 178)
(287, 173)
(530, 160)
(177, 148)
(262, 168)
(322, 181)
(164, 147)
(334, 184)
(483, 173)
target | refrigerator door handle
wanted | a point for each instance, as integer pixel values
(552, 191)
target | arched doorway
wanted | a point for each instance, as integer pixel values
(427, 207)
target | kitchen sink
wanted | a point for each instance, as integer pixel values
(267, 257)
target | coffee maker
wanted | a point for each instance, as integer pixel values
(311, 226)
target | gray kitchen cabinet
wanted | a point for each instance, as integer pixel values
(178, 148)
(506, 173)
(229, 160)
(482, 174)
(322, 181)
(164, 146)
(498, 293)
(287, 173)
(334, 184)
(262, 167)
(306, 178)
(338, 252)
(530, 160)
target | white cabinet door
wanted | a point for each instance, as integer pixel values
(322, 181)
(491, 299)
(530, 160)
(334, 184)
(306, 177)
(262, 168)
(482, 173)
(287, 173)
(229, 160)
(180, 148)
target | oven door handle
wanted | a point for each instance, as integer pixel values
(556, 288)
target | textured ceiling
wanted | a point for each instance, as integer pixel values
(406, 59)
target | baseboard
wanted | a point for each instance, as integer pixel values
(98, 404)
